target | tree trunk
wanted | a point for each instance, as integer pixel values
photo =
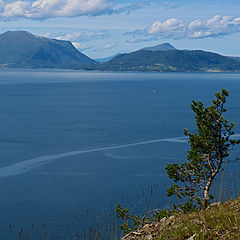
(206, 198)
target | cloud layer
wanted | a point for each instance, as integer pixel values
(81, 39)
(42, 9)
(83, 36)
(176, 29)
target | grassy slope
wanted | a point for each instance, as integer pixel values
(217, 222)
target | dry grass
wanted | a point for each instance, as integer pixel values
(217, 222)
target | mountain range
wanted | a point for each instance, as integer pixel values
(160, 47)
(106, 59)
(170, 61)
(21, 49)
(236, 58)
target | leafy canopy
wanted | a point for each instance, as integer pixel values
(209, 147)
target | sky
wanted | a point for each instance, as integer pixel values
(102, 28)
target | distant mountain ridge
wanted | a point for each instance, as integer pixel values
(106, 59)
(160, 47)
(22, 49)
(169, 61)
(236, 58)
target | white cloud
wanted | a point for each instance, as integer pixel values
(176, 29)
(42, 9)
(46, 34)
(216, 26)
(80, 46)
(172, 28)
(81, 40)
(69, 36)
(14, 9)
(83, 7)
(54, 8)
(83, 36)
(110, 45)
(132, 40)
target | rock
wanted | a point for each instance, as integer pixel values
(215, 204)
(192, 237)
(137, 233)
(148, 237)
(163, 220)
(146, 229)
(158, 225)
(126, 236)
(170, 220)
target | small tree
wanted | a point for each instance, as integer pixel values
(209, 147)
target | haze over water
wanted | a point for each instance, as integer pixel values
(72, 141)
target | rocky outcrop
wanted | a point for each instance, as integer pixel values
(150, 231)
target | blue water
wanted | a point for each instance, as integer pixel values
(76, 142)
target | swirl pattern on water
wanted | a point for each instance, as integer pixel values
(29, 164)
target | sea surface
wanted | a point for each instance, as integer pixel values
(73, 144)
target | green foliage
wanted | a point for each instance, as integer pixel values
(217, 222)
(130, 223)
(187, 207)
(209, 147)
(169, 61)
(133, 222)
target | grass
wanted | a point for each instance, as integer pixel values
(104, 227)
(216, 222)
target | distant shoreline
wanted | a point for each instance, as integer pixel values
(3, 69)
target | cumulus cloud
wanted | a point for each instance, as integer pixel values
(216, 26)
(54, 8)
(81, 40)
(80, 46)
(173, 28)
(42, 9)
(176, 29)
(84, 36)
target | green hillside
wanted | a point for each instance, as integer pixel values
(170, 61)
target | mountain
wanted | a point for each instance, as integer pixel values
(107, 58)
(236, 58)
(160, 47)
(170, 61)
(24, 50)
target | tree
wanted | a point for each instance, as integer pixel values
(209, 149)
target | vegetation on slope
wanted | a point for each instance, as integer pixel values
(218, 221)
(207, 158)
(169, 61)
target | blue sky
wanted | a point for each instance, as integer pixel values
(101, 28)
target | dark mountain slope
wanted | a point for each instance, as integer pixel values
(23, 49)
(174, 60)
(236, 58)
